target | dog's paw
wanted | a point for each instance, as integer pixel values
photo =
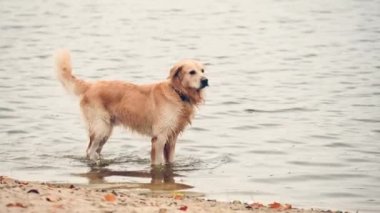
(93, 156)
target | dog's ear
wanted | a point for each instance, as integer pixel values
(174, 71)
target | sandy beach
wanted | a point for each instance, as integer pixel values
(23, 196)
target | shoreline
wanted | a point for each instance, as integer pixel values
(24, 196)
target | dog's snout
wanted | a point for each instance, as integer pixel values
(204, 82)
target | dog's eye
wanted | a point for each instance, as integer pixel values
(203, 70)
(192, 72)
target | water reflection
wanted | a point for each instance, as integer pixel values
(162, 178)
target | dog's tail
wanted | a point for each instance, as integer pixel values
(65, 76)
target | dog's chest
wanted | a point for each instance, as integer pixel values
(176, 118)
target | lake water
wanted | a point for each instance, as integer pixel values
(292, 114)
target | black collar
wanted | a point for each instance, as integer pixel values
(183, 97)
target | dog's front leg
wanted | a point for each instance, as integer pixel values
(169, 150)
(157, 152)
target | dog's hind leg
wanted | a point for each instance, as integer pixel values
(99, 149)
(99, 132)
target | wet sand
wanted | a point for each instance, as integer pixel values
(22, 196)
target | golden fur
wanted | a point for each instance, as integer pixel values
(161, 110)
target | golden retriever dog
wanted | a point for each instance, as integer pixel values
(160, 110)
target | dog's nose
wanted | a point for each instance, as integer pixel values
(204, 82)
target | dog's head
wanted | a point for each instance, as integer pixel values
(190, 74)
(188, 77)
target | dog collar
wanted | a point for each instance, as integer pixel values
(183, 97)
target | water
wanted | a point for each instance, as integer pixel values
(292, 114)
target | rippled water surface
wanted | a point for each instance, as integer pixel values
(292, 114)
